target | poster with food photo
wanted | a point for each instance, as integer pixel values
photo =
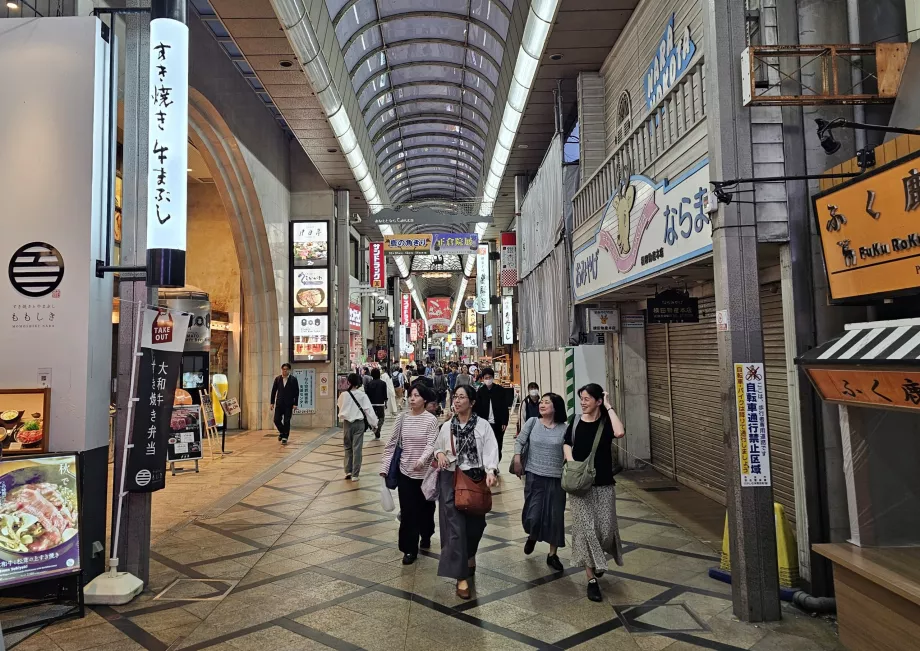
(39, 518)
(310, 243)
(23, 420)
(311, 291)
(311, 338)
(184, 442)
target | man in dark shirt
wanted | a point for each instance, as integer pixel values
(492, 405)
(376, 391)
(284, 398)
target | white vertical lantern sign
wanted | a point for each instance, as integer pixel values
(167, 153)
(507, 320)
(482, 279)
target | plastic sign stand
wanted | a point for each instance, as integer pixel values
(113, 588)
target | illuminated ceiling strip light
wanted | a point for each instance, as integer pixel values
(536, 33)
(296, 24)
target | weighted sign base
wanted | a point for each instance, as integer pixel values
(113, 588)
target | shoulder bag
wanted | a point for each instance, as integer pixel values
(392, 478)
(367, 425)
(470, 496)
(524, 449)
(578, 476)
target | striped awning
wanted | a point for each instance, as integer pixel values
(880, 343)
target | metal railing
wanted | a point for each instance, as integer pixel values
(675, 115)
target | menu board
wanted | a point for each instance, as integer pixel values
(24, 420)
(311, 338)
(39, 518)
(310, 244)
(310, 289)
(184, 441)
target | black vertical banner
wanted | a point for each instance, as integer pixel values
(162, 343)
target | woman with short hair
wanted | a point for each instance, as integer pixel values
(543, 516)
(595, 532)
(357, 414)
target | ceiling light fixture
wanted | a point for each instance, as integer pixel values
(285, 63)
(556, 57)
(12, 5)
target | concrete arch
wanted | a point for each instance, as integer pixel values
(260, 345)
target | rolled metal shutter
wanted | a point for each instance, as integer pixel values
(696, 402)
(659, 397)
(774, 352)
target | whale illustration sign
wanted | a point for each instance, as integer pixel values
(646, 227)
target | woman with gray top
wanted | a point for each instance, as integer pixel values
(544, 500)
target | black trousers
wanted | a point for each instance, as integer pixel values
(381, 416)
(499, 437)
(416, 514)
(283, 419)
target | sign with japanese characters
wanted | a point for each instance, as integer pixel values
(309, 285)
(167, 155)
(420, 243)
(162, 343)
(311, 291)
(469, 340)
(184, 442)
(455, 243)
(377, 265)
(306, 397)
(311, 338)
(674, 53)
(508, 276)
(354, 317)
(439, 314)
(890, 389)
(483, 286)
(753, 436)
(870, 231)
(673, 306)
(646, 229)
(603, 320)
(310, 244)
(507, 320)
(39, 513)
(405, 310)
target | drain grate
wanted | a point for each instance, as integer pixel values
(197, 590)
(660, 618)
(661, 489)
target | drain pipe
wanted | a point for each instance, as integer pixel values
(856, 75)
(818, 605)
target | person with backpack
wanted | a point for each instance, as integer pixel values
(587, 476)
(376, 391)
(530, 406)
(399, 386)
(357, 415)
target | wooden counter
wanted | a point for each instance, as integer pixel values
(878, 596)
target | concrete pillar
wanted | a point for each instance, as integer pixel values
(631, 373)
(755, 580)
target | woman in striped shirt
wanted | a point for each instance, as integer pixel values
(415, 432)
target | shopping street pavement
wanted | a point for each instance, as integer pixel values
(308, 560)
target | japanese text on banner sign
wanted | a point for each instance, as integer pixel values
(407, 243)
(306, 398)
(753, 438)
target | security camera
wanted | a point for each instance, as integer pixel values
(356, 218)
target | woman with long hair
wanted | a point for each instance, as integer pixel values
(543, 516)
(465, 444)
(357, 416)
(415, 432)
(595, 532)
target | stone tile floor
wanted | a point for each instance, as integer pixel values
(310, 562)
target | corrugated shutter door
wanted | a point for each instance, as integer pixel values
(774, 351)
(659, 402)
(696, 399)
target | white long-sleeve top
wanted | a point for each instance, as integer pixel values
(485, 442)
(351, 412)
(391, 393)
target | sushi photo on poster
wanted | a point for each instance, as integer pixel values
(39, 518)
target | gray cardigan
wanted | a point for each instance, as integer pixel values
(544, 447)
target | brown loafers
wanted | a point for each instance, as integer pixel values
(463, 593)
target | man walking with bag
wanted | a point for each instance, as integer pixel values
(357, 415)
(285, 391)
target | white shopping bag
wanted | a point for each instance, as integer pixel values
(386, 497)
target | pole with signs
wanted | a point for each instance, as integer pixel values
(167, 147)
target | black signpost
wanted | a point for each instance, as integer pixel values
(673, 306)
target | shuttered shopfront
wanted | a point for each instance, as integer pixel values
(685, 405)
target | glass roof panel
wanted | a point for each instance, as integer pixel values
(426, 73)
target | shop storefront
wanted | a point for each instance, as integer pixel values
(869, 237)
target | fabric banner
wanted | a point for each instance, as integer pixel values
(377, 265)
(162, 343)
(509, 274)
(455, 243)
(483, 292)
(438, 310)
(420, 243)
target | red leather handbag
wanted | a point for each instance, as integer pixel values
(470, 496)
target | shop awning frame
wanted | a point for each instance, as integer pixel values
(878, 344)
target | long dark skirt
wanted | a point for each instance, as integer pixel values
(544, 509)
(460, 533)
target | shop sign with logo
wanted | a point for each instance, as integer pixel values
(380, 308)
(507, 320)
(311, 291)
(420, 243)
(675, 51)
(413, 331)
(311, 338)
(35, 272)
(470, 319)
(889, 389)
(508, 276)
(673, 306)
(753, 438)
(309, 285)
(377, 265)
(469, 340)
(162, 343)
(438, 311)
(310, 244)
(483, 286)
(354, 317)
(603, 320)
(306, 397)
(870, 231)
(488, 331)
(646, 228)
(455, 243)
(406, 310)
(198, 335)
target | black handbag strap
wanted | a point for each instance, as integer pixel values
(363, 413)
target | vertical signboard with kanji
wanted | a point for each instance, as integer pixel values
(406, 311)
(377, 265)
(306, 383)
(162, 342)
(167, 153)
(310, 291)
(753, 437)
(509, 275)
(483, 289)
